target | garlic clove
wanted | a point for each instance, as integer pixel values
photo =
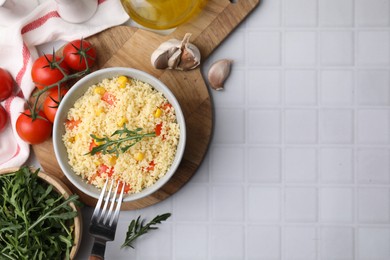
(175, 54)
(190, 59)
(218, 73)
(174, 59)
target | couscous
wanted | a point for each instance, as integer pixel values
(124, 106)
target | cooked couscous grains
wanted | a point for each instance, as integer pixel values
(107, 107)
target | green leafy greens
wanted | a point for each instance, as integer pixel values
(137, 228)
(122, 144)
(35, 221)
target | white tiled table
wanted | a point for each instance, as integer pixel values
(299, 165)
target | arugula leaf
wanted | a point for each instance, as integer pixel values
(35, 221)
(137, 228)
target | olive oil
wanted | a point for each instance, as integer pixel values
(162, 14)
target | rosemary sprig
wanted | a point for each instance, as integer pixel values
(137, 228)
(107, 145)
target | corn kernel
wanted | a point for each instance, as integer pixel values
(72, 139)
(122, 121)
(158, 113)
(97, 162)
(99, 111)
(112, 160)
(122, 80)
(139, 156)
(99, 90)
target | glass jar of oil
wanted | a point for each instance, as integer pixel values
(162, 14)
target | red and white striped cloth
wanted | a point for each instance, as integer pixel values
(22, 28)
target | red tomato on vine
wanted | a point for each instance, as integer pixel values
(48, 70)
(78, 53)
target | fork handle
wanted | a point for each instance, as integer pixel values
(98, 249)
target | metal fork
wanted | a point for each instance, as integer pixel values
(104, 221)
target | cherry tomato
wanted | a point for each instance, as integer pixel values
(109, 98)
(158, 129)
(6, 84)
(52, 101)
(126, 188)
(105, 169)
(71, 124)
(33, 131)
(73, 54)
(3, 118)
(44, 71)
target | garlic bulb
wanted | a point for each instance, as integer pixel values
(175, 54)
(218, 73)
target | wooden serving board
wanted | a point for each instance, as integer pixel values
(125, 46)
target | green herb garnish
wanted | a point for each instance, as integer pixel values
(137, 228)
(122, 144)
(35, 221)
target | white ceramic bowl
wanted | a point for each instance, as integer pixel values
(76, 92)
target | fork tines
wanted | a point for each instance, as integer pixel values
(102, 215)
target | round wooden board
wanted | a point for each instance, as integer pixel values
(124, 46)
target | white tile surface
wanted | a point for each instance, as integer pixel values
(263, 242)
(337, 48)
(372, 12)
(336, 243)
(299, 163)
(336, 12)
(300, 204)
(300, 243)
(300, 12)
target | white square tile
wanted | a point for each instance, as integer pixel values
(263, 204)
(336, 48)
(372, 12)
(373, 165)
(226, 164)
(336, 12)
(300, 243)
(233, 92)
(336, 126)
(263, 87)
(300, 48)
(373, 126)
(265, 48)
(263, 243)
(300, 204)
(373, 48)
(336, 243)
(266, 16)
(233, 49)
(301, 87)
(337, 87)
(227, 203)
(336, 205)
(374, 205)
(373, 87)
(226, 242)
(263, 126)
(300, 12)
(191, 241)
(196, 196)
(301, 126)
(373, 243)
(235, 119)
(263, 164)
(336, 165)
(300, 164)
